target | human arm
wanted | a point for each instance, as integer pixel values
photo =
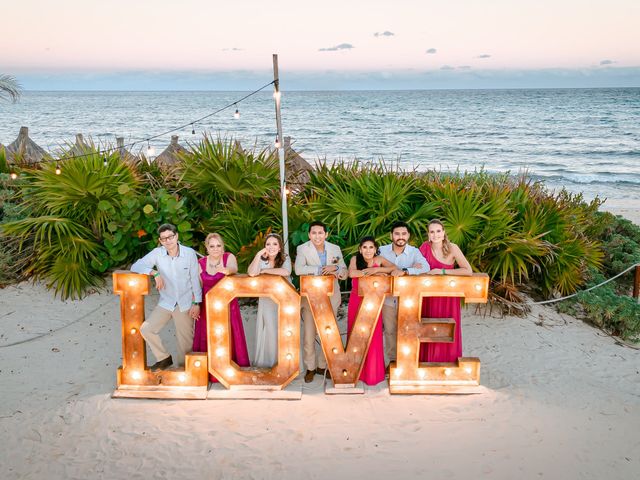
(196, 286)
(232, 265)
(464, 267)
(301, 267)
(419, 264)
(385, 267)
(148, 265)
(353, 269)
(254, 266)
(283, 271)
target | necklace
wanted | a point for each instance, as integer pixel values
(211, 264)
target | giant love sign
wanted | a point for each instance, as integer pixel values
(407, 374)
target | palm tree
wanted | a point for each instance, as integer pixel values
(10, 89)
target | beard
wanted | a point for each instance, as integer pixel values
(400, 243)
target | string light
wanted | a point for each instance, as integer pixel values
(237, 114)
(58, 170)
(13, 175)
(150, 150)
(193, 129)
(104, 161)
(277, 142)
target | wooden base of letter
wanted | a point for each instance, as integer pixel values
(293, 391)
(462, 377)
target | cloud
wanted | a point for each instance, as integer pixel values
(447, 67)
(233, 49)
(431, 51)
(607, 62)
(464, 67)
(342, 46)
(386, 33)
(484, 55)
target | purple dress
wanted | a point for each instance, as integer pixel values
(373, 369)
(239, 352)
(440, 307)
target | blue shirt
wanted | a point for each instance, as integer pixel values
(409, 256)
(180, 274)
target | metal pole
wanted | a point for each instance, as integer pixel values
(636, 284)
(281, 155)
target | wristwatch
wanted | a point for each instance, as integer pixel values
(405, 270)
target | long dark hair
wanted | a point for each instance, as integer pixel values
(361, 263)
(278, 261)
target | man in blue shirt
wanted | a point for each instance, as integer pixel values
(409, 261)
(175, 269)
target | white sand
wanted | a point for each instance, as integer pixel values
(629, 209)
(562, 401)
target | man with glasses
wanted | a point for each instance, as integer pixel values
(175, 270)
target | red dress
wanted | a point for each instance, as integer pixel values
(238, 343)
(373, 368)
(440, 307)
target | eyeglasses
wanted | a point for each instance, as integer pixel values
(167, 238)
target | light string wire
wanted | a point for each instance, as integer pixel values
(153, 137)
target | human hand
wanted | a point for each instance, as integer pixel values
(329, 270)
(159, 282)
(434, 272)
(418, 265)
(397, 273)
(194, 311)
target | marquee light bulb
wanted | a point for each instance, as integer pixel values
(279, 287)
(468, 370)
(228, 285)
(289, 309)
(182, 377)
(133, 331)
(217, 305)
(422, 373)
(406, 350)
(133, 283)
(452, 283)
(375, 284)
(230, 372)
(402, 282)
(327, 329)
(317, 282)
(447, 371)
(427, 283)
(344, 372)
(408, 303)
(288, 356)
(368, 306)
(288, 333)
(136, 375)
(197, 364)
(478, 287)
(253, 283)
(218, 331)
(219, 351)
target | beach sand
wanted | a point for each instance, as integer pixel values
(561, 400)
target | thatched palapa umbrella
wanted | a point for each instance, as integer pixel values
(125, 155)
(25, 151)
(297, 167)
(170, 156)
(80, 147)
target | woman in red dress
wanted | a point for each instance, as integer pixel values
(442, 256)
(367, 262)
(213, 268)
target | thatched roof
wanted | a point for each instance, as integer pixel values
(169, 157)
(80, 147)
(297, 167)
(25, 151)
(125, 155)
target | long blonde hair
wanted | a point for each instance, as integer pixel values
(446, 244)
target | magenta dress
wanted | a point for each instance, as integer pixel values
(238, 343)
(440, 307)
(373, 368)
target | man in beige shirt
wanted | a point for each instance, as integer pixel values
(318, 257)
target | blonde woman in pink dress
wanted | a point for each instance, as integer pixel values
(213, 268)
(442, 256)
(365, 263)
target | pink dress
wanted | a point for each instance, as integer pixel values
(373, 368)
(238, 343)
(440, 307)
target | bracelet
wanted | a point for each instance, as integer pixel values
(195, 303)
(444, 272)
(156, 275)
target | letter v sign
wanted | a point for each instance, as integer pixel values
(345, 364)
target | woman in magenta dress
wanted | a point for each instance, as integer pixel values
(367, 262)
(442, 256)
(213, 268)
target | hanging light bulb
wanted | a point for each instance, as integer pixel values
(277, 142)
(13, 175)
(237, 114)
(58, 170)
(104, 161)
(150, 150)
(193, 129)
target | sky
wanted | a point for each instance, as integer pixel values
(208, 45)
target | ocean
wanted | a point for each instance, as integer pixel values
(587, 140)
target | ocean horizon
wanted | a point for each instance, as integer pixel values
(584, 139)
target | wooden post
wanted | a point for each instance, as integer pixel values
(281, 155)
(636, 284)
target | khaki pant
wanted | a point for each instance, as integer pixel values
(311, 358)
(150, 330)
(390, 326)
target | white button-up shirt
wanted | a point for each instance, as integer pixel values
(180, 274)
(409, 256)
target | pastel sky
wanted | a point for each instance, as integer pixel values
(334, 44)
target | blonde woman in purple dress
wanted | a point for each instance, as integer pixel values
(213, 268)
